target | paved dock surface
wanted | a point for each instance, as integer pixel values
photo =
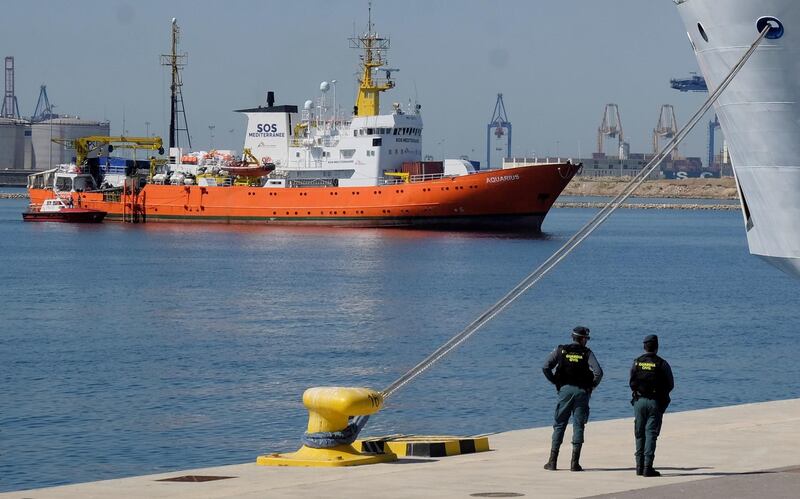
(741, 451)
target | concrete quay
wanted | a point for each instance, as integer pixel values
(740, 451)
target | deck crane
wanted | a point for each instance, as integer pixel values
(611, 127)
(92, 144)
(500, 126)
(697, 83)
(666, 127)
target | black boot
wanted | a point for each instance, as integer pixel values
(576, 457)
(639, 466)
(648, 469)
(551, 464)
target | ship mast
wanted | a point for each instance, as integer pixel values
(374, 49)
(176, 62)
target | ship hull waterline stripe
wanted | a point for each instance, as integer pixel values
(273, 219)
(570, 245)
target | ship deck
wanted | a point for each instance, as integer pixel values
(739, 451)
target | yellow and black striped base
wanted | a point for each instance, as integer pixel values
(423, 445)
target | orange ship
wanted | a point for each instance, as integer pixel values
(319, 168)
(516, 198)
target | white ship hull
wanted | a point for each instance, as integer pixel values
(759, 113)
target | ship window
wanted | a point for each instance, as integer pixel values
(347, 153)
(370, 131)
(64, 184)
(297, 155)
(702, 31)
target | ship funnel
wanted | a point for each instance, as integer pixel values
(270, 98)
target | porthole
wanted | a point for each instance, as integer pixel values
(702, 31)
(776, 27)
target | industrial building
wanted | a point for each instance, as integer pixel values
(48, 154)
(27, 144)
(15, 144)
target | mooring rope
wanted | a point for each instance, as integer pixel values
(575, 240)
(570, 245)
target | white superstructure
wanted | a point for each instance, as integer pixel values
(315, 145)
(759, 113)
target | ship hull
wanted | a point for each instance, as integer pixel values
(508, 200)
(759, 114)
(68, 215)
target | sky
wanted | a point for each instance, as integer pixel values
(557, 64)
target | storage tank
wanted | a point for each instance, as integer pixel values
(46, 153)
(12, 143)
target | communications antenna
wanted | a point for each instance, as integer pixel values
(176, 62)
(500, 126)
(10, 106)
(610, 127)
(373, 57)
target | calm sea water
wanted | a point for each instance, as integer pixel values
(132, 349)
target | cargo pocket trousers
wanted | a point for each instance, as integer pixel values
(572, 401)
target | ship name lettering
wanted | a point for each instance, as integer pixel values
(502, 178)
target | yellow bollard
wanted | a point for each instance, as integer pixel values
(329, 409)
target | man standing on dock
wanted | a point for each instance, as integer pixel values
(651, 381)
(577, 373)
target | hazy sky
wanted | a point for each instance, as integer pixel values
(557, 63)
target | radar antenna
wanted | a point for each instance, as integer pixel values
(374, 48)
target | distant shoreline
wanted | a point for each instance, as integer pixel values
(650, 206)
(693, 188)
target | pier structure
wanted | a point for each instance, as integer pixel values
(739, 451)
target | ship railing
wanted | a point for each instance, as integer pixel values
(535, 160)
(315, 142)
(425, 177)
(112, 195)
(411, 179)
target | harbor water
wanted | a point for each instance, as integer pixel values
(133, 349)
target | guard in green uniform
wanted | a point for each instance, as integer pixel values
(651, 382)
(577, 373)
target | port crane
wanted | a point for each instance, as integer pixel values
(610, 127)
(44, 110)
(697, 83)
(500, 126)
(667, 128)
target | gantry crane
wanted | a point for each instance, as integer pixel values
(697, 83)
(667, 127)
(44, 110)
(500, 126)
(610, 127)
